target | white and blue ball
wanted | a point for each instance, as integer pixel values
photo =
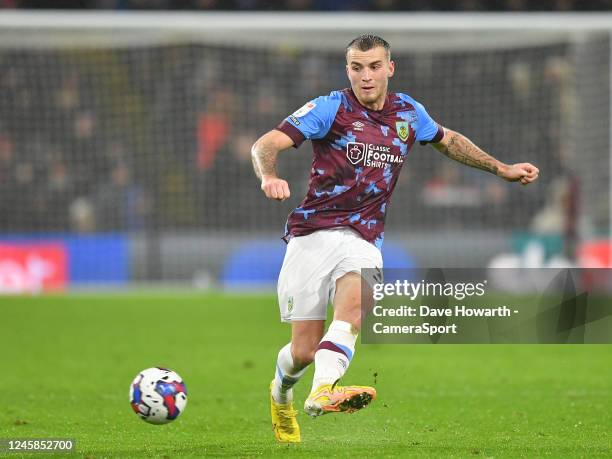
(158, 395)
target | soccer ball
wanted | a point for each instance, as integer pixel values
(158, 395)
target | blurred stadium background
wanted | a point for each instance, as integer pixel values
(125, 137)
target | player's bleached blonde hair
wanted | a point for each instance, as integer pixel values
(368, 41)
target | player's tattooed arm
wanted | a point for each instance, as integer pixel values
(263, 155)
(458, 147)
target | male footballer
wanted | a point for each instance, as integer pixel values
(360, 138)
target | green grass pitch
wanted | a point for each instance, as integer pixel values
(68, 362)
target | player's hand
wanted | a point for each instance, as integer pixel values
(275, 188)
(520, 172)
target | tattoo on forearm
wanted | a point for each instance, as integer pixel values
(264, 160)
(461, 149)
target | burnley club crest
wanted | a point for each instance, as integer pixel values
(402, 130)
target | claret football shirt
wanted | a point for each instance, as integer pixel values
(358, 155)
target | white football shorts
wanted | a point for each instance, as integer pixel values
(312, 265)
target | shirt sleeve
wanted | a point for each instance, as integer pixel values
(312, 121)
(427, 130)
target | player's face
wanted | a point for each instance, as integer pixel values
(369, 73)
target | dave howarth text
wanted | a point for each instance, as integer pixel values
(426, 311)
(412, 290)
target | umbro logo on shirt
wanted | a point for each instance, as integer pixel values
(358, 125)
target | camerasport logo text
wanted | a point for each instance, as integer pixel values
(371, 155)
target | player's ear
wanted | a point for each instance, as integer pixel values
(391, 68)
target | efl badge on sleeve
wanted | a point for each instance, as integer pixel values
(305, 109)
(402, 130)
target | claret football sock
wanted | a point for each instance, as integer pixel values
(334, 354)
(286, 376)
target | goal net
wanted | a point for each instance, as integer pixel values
(125, 138)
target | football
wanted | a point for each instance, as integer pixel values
(158, 395)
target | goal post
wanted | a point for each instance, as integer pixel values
(125, 136)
